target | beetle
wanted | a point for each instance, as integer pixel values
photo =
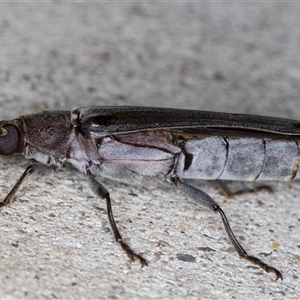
(134, 144)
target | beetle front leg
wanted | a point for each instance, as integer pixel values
(205, 200)
(102, 192)
(38, 169)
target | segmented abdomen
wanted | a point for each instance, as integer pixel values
(244, 159)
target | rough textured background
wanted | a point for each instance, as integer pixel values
(231, 57)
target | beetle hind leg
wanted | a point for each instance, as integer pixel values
(206, 201)
(230, 194)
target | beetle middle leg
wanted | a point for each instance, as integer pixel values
(230, 194)
(205, 200)
(102, 192)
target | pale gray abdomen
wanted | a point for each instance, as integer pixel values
(244, 159)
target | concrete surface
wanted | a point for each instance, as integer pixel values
(231, 57)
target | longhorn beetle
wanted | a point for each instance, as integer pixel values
(132, 144)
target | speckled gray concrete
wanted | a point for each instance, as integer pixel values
(233, 57)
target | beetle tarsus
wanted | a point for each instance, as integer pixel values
(256, 261)
(133, 256)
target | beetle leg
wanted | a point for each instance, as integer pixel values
(37, 169)
(230, 194)
(102, 192)
(205, 200)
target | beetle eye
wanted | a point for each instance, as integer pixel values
(9, 140)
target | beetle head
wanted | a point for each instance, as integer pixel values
(10, 138)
